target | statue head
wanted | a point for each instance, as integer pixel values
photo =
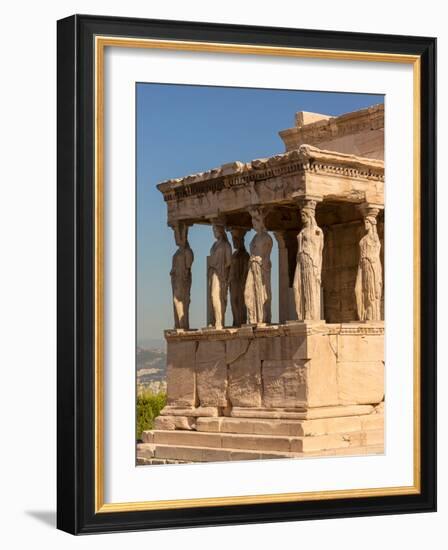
(180, 233)
(238, 238)
(258, 220)
(369, 223)
(308, 213)
(219, 230)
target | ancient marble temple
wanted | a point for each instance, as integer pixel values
(313, 383)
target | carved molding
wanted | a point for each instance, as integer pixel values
(305, 159)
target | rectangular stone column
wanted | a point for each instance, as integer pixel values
(287, 251)
(283, 277)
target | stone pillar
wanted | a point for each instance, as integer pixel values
(369, 278)
(181, 276)
(308, 274)
(238, 275)
(257, 291)
(287, 252)
(283, 277)
(218, 264)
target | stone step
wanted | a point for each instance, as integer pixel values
(251, 442)
(282, 427)
(308, 414)
(183, 453)
(209, 454)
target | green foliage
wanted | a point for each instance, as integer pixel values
(149, 406)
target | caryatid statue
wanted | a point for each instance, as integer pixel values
(369, 279)
(238, 275)
(257, 291)
(218, 274)
(181, 276)
(307, 278)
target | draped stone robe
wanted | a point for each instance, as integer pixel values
(238, 275)
(181, 285)
(307, 278)
(257, 292)
(218, 279)
(369, 279)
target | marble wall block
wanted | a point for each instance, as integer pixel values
(284, 384)
(181, 379)
(211, 373)
(360, 347)
(322, 382)
(244, 371)
(361, 382)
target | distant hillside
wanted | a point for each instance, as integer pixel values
(151, 369)
(152, 343)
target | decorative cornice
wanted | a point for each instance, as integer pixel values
(331, 128)
(305, 159)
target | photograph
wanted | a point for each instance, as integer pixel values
(259, 274)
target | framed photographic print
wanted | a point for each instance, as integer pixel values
(246, 274)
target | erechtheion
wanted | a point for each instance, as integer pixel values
(313, 383)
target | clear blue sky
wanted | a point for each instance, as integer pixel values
(182, 130)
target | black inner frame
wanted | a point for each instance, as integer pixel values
(75, 296)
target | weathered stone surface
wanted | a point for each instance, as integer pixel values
(218, 264)
(237, 348)
(193, 438)
(148, 436)
(211, 372)
(174, 423)
(336, 425)
(181, 276)
(281, 427)
(306, 169)
(342, 411)
(192, 454)
(256, 442)
(244, 374)
(291, 347)
(237, 277)
(317, 412)
(181, 379)
(203, 454)
(308, 382)
(373, 437)
(319, 443)
(261, 442)
(303, 118)
(192, 411)
(284, 383)
(307, 278)
(339, 270)
(351, 450)
(360, 132)
(369, 279)
(257, 290)
(321, 374)
(372, 422)
(209, 424)
(359, 347)
(145, 450)
(361, 382)
(223, 440)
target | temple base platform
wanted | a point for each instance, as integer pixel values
(278, 391)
